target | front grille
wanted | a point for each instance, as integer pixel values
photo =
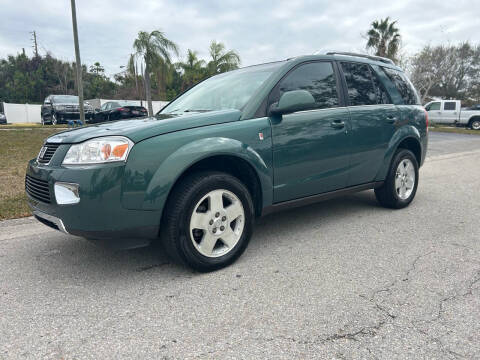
(37, 189)
(46, 153)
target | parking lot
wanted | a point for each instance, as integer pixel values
(342, 279)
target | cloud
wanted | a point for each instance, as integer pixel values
(259, 30)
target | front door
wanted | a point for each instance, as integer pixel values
(434, 112)
(310, 148)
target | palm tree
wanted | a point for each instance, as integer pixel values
(384, 37)
(193, 69)
(153, 47)
(222, 60)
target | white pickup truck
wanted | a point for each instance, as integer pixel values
(450, 112)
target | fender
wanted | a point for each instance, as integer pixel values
(404, 132)
(173, 166)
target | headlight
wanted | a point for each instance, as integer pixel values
(99, 150)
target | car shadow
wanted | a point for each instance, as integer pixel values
(77, 257)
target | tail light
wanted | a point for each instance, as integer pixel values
(123, 109)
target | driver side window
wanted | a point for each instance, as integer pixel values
(104, 106)
(318, 78)
(433, 106)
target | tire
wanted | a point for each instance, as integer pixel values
(54, 120)
(398, 191)
(199, 232)
(475, 124)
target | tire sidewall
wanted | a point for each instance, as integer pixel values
(399, 156)
(473, 126)
(185, 246)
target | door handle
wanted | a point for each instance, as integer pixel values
(337, 124)
(391, 119)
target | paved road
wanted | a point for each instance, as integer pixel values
(342, 279)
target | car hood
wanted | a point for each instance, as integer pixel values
(143, 128)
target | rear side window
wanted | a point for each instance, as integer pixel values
(403, 85)
(361, 90)
(318, 78)
(433, 106)
(449, 105)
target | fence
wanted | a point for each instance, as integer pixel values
(28, 113)
(22, 113)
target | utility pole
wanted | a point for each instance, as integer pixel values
(35, 45)
(78, 63)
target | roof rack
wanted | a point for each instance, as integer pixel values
(371, 57)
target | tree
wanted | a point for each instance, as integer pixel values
(193, 69)
(222, 60)
(153, 47)
(447, 71)
(384, 38)
(96, 68)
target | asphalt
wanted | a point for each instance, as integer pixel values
(343, 279)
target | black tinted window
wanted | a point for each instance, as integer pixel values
(449, 105)
(317, 78)
(359, 83)
(403, 85)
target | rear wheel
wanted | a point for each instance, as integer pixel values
(401, 183)
(475, 124)
(208, 221)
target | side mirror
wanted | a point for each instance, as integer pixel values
(97, 110)
(291, 101)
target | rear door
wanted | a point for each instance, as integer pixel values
(450, 112)
(311, 153)
(372, 116)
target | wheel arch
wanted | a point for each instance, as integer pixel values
(233, 165)
(214, 154)
(407, 137)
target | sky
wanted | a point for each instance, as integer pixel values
(260, 31)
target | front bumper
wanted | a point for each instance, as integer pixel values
(99, 215)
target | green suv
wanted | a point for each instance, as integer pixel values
(237, 146)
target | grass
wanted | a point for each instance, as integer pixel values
(453, 129)
(16, 149)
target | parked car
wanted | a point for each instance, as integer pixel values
(58, 109)
(450, 112)
(236, 146)
(3, 118)
(114, 110)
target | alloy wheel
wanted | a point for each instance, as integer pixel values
(405, 179)
(217, 223)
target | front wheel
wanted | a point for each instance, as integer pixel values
(401, 183)
(208, 221)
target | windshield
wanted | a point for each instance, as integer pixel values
(230, 90)
(65, 99)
